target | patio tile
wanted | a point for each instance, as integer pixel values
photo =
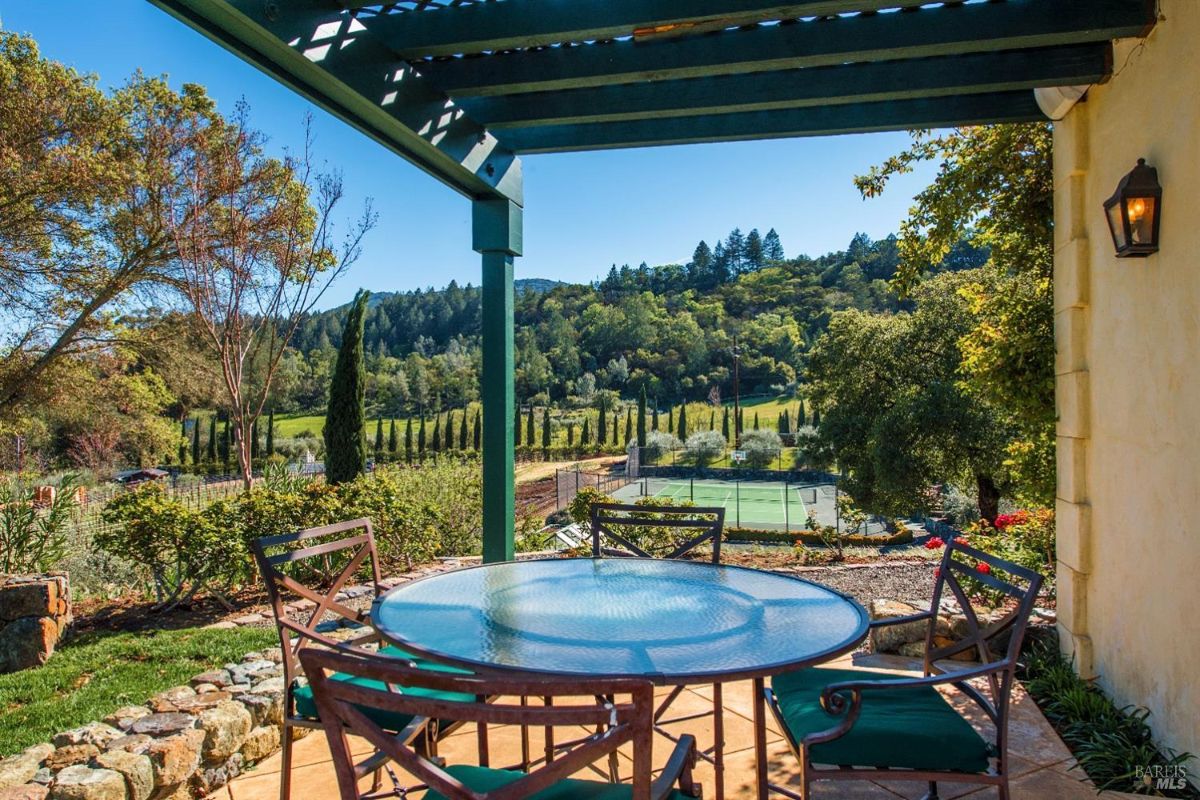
(783, 769)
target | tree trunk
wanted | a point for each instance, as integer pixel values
(989, 498)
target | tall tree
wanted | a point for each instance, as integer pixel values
(378, 436)
(408, 441)
(478, 432)
(755, 257)
(436, 441)
(226, 444)
(602, 424)
(345, 419)
(801, 415)
(641, 418)
(462, 432)
(546, 428)
(628, 426)
(196, 441)
(270, 433)
(683, 426)
(421, 438)
(529, 427)
(772, 247)
(254, 441)
(393, 444)
(183, 442)
(654, 418)
(725, 424)
(585, 437)
(212, 439)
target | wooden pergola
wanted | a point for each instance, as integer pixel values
(462, 87)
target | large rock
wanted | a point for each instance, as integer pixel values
(27, 791)
(97, 733)
(225, 727)
(260, 743)
(80, 782)
(217, 677)
(29, 599)
(274, 685)
(249, 671)
(167, 701)
(20, 769)
(175, 758)
(137, 771)
(124, 717)
(890, 638)
(202, 701)
(27, 642)
(71, 754)
(167, 724)
(265, 709)
(133, 743)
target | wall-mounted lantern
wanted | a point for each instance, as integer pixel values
(1134, 212)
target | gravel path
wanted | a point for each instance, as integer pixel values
(898, 580)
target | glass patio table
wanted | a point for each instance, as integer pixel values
(675, 623)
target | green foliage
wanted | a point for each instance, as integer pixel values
(33, 539)
(345, 419)
(93, 675)
(1109, 743)
(580, 506)
(762, 447)
(705, 447)
(641, 418)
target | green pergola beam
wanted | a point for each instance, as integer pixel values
(321, 53)
(484, 27)
(923, 33)
(939, 112)
(974, 73)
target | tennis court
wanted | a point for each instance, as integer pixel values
(747, 504)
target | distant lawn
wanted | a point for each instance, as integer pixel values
(289, 426)
(96, 674)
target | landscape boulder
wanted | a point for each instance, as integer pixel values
(136, 769)
(35, 610)
(81, 782)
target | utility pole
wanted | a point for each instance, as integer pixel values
(737, 408)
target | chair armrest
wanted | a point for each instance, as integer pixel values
(678, 769)
(883, 623)
(832, 705)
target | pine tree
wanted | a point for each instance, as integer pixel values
(641, 418)
(212, 439)
(183, 442)
(801, 416)
(735, 252)
(517, 428)
(392, 443)
(772, 247)
(346, 417)
(755, 258)
(270, 433)
(478, 431)
(462, 432)
(421, 438)
(196, 441)
(546, 428)
(725, 424)
(628, 426)
(378, 436)
(408, 441)
(529, 428)
(683, 426)
(585, 438)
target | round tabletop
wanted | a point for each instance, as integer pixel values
(674, 622)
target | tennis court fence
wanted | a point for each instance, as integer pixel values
(568, 482)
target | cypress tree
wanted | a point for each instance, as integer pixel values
(196, 441)
(712, 420)
(478, 431)
(571, 433)
(448, 445)
(816, 417)
(671, 420)
(378, 436)
(785, 422)
(254, 441)
(585, 438)
(616, 427)
(801, 417)
(270, 433)
(516, 427)
(226, 444)
(408, 440)
(346, 417)
(683, 428)
(212, 439)
(462, 432)
(392, 443)
(628, 426)
(654, 418)
(725, 424)
(741, 420)
(641, 418)
(755, 420)
(421, 438)
(529, 428)
(602, 427)
(546, 428)
(183, 442)
(437, 433)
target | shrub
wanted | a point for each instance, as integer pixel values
(705, 446)
(580, 506)
(659, 443)
(761, 446)
(811, 451)
(33, 539)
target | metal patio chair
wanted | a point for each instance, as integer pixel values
(312, 567)
(615, 522)
(871, 725)
(392, 687)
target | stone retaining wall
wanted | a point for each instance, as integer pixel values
(908, 638)
(183, 743)
(35, 611)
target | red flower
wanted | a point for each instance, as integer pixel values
(937, 572)
(983, 569)
(934, 542)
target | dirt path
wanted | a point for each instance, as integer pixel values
(539, 470)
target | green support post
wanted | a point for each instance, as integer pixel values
(496, 226)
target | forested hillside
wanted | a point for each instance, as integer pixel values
(671, 328)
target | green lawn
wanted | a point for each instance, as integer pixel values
(288, 426)
(98, 673)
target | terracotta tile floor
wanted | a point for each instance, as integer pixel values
(1040, 762)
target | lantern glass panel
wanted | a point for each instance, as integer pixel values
(1116, 224)
(1141, 211)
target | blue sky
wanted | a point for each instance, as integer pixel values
(583, 211)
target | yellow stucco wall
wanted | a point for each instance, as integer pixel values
(1128, 342)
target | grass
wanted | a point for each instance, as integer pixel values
(94, 675)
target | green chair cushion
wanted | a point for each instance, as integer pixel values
(906, 728)
(306, 706)
(484, 780)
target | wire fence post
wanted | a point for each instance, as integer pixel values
(692, 489)
(787, 524)
(738, 494)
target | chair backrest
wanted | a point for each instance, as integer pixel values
(652, 531)
(626, 715)
(966, 571)
(313, 566)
